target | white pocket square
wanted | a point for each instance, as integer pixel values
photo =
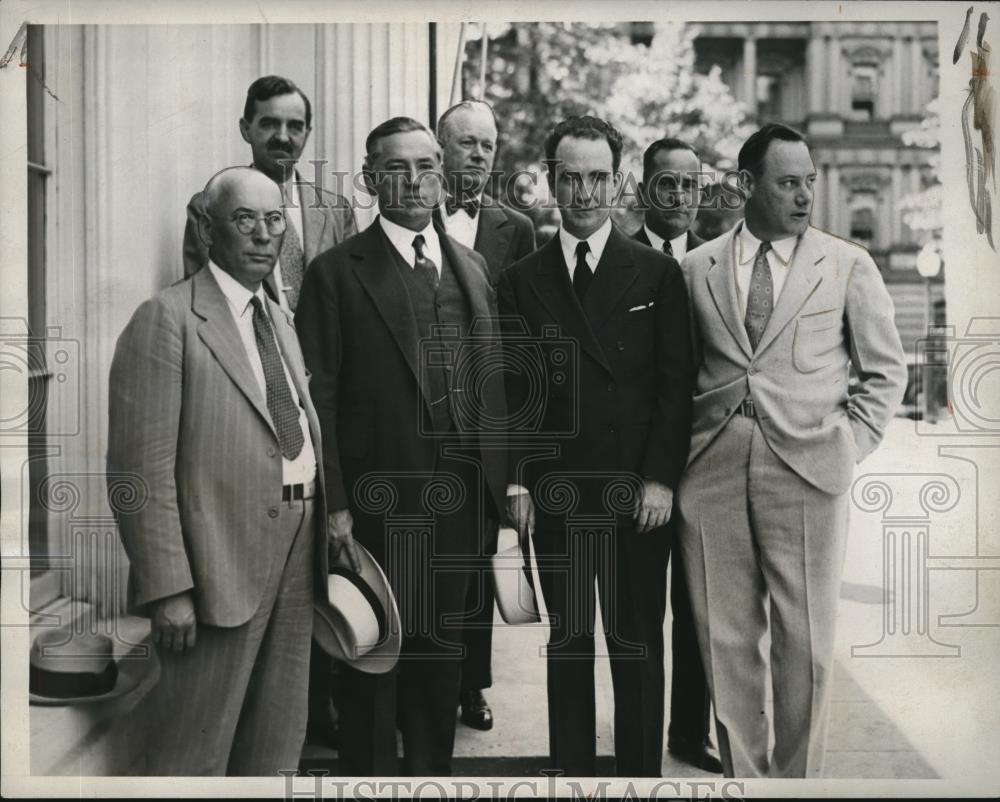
(640, 307)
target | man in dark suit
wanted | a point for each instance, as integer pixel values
(468, 136)
(386, 325)
(670, 192)
(600, 504)
(276, 123)
(209, 408)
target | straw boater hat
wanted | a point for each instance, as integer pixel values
(69, 668)
(512, 584)
(357, 621)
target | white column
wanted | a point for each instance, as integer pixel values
(895, 213)
(750, 74)
(814, 69)
(833, 200)
(916, 78)
(834, 104)
(898, 68)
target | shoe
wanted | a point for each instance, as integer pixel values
(476, 712)
(695, 754)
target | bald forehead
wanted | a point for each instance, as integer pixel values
(241, 187)
(475, 119)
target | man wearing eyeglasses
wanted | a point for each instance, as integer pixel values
(210, 414)
(670, 191)
(276, 123)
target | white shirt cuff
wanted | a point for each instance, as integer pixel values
(516, 490)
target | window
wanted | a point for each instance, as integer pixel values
(864, 88)
(863, 227)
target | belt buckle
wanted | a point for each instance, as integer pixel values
(747, 408)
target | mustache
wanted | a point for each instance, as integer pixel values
(276, 144)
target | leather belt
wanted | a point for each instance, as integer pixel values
(747, 408)
(297, 492)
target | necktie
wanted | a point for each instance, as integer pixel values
(291, 260)
(281, 405)
(668, 249)
(582, 274)
(424, 266)
(760, 296)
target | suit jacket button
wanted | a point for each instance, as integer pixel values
(752, 371)
(611, 429)
(273, 512)
(611, 387)
(621, 345)
(271, 451)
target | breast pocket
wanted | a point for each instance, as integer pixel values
(819, 337)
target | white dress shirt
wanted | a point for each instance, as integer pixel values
(596, 241)
(302, 469)
(779, 258)
(679, 244)
(402, 240)
(460, 226)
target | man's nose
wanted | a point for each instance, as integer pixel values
(260, 233)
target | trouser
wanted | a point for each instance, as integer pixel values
(236, 702)
(756, 538)
(630, 572)
(477, 630)
(426, 557)
(689, 698)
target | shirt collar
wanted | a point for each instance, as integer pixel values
(597, 241)
(237, 295)
(678, 243)
(782, 248)
(402, 237)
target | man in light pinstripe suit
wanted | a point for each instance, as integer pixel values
(210, 413)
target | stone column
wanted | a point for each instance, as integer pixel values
(833, 200)
(750, 74)
(814, 69)
(916, 79)
(834, 104)
(895, 213)
(897, 75)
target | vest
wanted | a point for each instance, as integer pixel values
(443, 322)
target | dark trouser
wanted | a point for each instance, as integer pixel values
(477, 632)
(426, 560)
(630, 569)
(689, 697)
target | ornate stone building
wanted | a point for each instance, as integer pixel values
(853, 88)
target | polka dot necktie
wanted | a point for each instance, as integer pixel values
(280, 403)
(760, 297)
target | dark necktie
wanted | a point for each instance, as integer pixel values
(668, 249)
(424, 265)
(281, 405)
(582, 274)
(760, 296)
(291, 260)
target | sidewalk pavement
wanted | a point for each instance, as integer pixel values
(914, 717)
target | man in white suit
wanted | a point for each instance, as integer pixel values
(780, 312)
(210, 412)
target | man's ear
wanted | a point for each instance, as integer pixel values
(205, 229)
(244, 130)
(746, 183)
(368, 176)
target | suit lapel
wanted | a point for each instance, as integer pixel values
(642, 236)
(614, 275)
(552, 286)
(493, 238)
(470, 278)
(721, 281)
(219, 333)
(376, 271)
(314, 220)
(803, 278)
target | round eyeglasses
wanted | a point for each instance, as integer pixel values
(246, 223)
